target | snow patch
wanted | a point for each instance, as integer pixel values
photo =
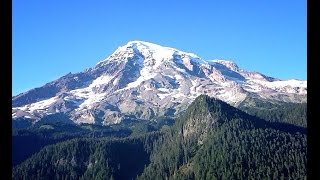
(162, 96)
(278, 84)
(178, 95)
(40, 105)
(178, 76)
(115, 81)
(101, 80)
(164, 89)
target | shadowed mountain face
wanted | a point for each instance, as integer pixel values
(146, 81)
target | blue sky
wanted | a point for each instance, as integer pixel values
(53, 38)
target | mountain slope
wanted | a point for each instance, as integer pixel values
(146, 81)
(211, 140)
(88, 159)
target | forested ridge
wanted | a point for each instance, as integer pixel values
(211, 140)
(236, 146)
(291, 113)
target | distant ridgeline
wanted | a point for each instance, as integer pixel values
(210, 140)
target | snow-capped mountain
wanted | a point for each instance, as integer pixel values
(145, 81)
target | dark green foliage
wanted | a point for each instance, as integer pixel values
(292, 113)
(89, 159)
(37, 136)
(211, 140)
(27, 143)
(236, 146)
(31, 140)
(234, 152)
(21, 123)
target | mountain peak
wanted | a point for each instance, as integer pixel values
(148, 81)
(142, 43)
(147, 47)
(202, 113)
(210, 104)
(146, 50)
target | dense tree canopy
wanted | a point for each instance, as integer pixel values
(211, 140)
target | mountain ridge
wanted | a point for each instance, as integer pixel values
(146, 80)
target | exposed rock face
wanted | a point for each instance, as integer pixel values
(145, 81)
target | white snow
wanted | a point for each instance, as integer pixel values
(170, 76)
(147, 72)
(115, 81)
(101, 80)
(147, 88)
(279, 84)
(292, 82)
(161, 51)
(162, 96)
(181, 70)
(178, 95)
(252, 88)
(40, 105)
(152, 52)
(143, 77)
(155, 61)
(164, 89)
(87, 97)
(94, 98)
(178, 76)
(187, 63)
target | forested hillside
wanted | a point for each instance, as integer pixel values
(235, 146)
(291, 113)
(211, 140)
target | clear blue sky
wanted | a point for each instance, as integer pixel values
(53, 38)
